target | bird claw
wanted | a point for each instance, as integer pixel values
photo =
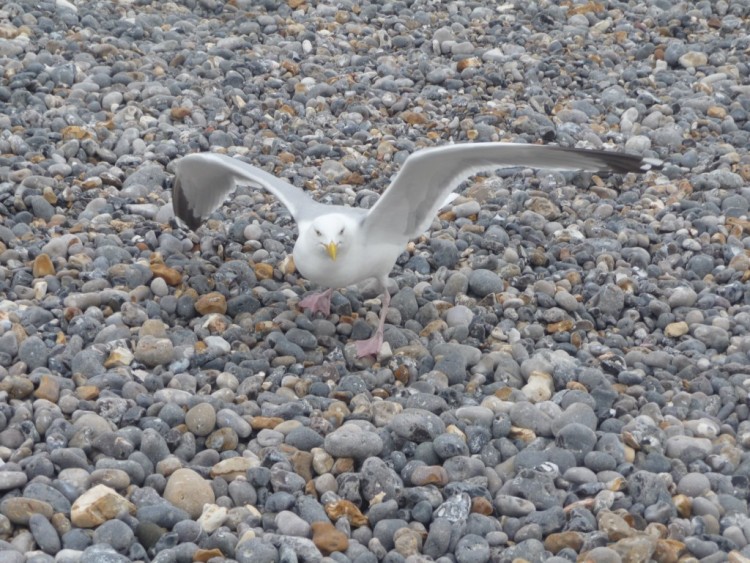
(371, 346)
(318, 302)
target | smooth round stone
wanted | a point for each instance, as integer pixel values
(694, 485)
(114, 533)
(351, 441)
(19, 509)
(576, 438)
(201, 419)
(484, 282)
(682, 296)
(12, 479)
(460, 315)
(188, 491)
(44, 534)
(515, 507)
(472, 549)
(304, 438)
(599, 461)
(481, 416)
(288, 523)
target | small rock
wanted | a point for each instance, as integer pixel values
(42, 266)
(187, 490)
(209, 303)
(201, 419)
(97, 505)
(327, 538)
(153, 351)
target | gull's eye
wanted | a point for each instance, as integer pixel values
(341, 232)
(317, 232)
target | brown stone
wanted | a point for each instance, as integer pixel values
(469, 62)
(87, 392)
(262, 422)
(209, 303)
(97, 505)
(526, 435)
(61, 523)
(263, 271)
(74, 132)
(345, 508)
(683, 504)
(17, 386)
(558, 541)
(19, 509)
(206, 554)
(438, 325)
(407, 542)
(481, 505)
(504, 393)
(223, 439)
(294, 4)
(302, 464)
(565, 325)
(429, 475)
(614, 525)
(414, 118)
(187, 490)
(49, 388)
(169, 275)
(264, 327)
(669, 551)
(327, 538)
(343, 465)
(180, 113)
(42, 266)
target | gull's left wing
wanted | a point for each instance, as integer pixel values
(409, 204)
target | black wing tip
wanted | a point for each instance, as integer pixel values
(622, 162)
(181, 207)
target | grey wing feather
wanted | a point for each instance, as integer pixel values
(409, 204)
(203, 181)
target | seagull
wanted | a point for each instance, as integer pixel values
(339, 245)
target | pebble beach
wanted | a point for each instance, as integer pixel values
(566, 365)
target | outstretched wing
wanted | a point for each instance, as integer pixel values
(203, 181)
(409, 204)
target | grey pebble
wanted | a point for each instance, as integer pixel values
(483, 282)
(44, 534)
(349, 441)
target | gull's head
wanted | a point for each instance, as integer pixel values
(332, 234)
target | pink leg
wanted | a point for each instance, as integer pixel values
(318, 302)
(371, 346)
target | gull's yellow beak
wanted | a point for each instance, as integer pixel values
(331, 248)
